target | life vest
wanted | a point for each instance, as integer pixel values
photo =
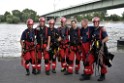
(29, 41)
(99, 35)
(54, 35)
(74, 37)
(66, 33)
(87, 33)
(41, 34)
(30, 38)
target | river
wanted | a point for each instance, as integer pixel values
(10, 36)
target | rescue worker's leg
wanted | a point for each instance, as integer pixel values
(88, 68)
(39, 57)
(71, 63)
(63, 63)
(27, 61)
(88, 62)
(103, 67)
(52, 60)
(39, 62)
(54, 63)
(47, 62)
(33, 57)
(103, 72)
(67, 57)
(77, 62)
(27, 67)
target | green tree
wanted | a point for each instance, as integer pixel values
(79, 18)
(9, 19)
(123, 16)
(12, 19)
(16, 19)
(6, 14)
(27, 13)
(36, 18)
(115, 17)
(88, 16)
(2, 19)
(16, 13)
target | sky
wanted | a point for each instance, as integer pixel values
(44, 6)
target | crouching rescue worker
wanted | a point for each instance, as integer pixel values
(28, 47)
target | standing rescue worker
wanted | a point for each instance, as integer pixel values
(53, 43)
(63, 47)
(28, 47)
(87, 57)
(101, 35)
(75, 48)
(41, 32)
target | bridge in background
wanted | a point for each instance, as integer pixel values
(96, 5)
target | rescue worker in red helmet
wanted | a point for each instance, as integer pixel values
(53, 39)
(101, 35)
(28, 47)
(41, 32)
(87, 56)
(63, 47)
(75, 48)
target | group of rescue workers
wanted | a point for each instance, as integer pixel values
(69, 45)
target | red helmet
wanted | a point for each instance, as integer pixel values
(63, 19)
(30, 22)
(52, 21)
(96, 19)
(41, 19)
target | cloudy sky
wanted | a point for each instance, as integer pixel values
(44, 6)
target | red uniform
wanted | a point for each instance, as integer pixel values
(42, 38)
(75, 46)
(100, 34)
(29, 48)
(54, 47)
(63, 52)
(87, 57)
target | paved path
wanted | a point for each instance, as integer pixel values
(12, 72)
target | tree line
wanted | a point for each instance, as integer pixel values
(103, 16)
(17, 16)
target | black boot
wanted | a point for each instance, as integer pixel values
(47, 72)
(76, 72)
(28, 72)
(85, 77)
(82, 74)
(67, 73)
(38, 72)
(63, 69)
(53, 71)
(34, 71)
(102, 77)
